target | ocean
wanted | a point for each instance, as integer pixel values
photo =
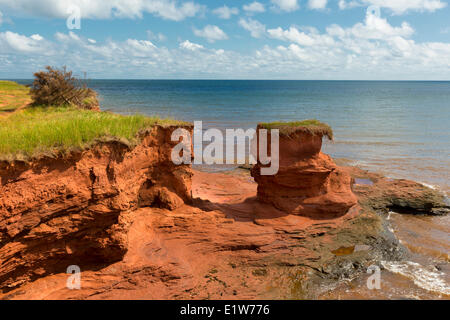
(400, 129)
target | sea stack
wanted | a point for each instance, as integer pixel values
(308, 182)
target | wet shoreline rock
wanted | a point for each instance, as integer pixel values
(399, 195)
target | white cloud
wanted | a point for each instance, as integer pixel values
(371, 49)
(191, 46)
(317, 4)
(14, 42)
(92, 41)
(286, 5)
(36, 37)
(359, 38)
(373, 46)
(99, 9)
(156, 36)
(225, 12)
(343, 4)
(71, 36)
(254, 7)
(310, 38)
(211, 33)
(373, 28)
(256, 28)
(141, 46)
(445, 30)
(397, 6)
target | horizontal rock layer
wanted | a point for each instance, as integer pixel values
(229, 245)
(74, 210)
(308, 182)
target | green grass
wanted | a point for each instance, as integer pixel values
(13, 96)
(11, 85)
(314, 127)
(38, 131)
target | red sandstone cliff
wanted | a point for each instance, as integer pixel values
(308, 182)
(60, 212)
(225, 245)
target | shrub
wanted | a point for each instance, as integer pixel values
(56, 87)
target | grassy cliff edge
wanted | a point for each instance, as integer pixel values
(38, 131)
(314, 127)
(13, 96)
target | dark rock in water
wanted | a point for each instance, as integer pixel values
(440, 211)
(399, 195)
(246, 166)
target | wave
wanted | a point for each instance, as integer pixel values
(429, 278)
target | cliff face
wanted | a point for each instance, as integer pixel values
(308, 182)
(119, 214)
(229, 245)
(75, 211)
(226, 245)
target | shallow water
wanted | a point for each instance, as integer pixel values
(425, 275)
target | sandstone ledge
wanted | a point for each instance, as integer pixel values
(226, 244)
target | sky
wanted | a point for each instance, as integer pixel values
(229, 39)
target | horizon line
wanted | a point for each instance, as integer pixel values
(206, 79)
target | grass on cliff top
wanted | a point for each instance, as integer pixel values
(314, 127)
(13, 96)
(39, 131)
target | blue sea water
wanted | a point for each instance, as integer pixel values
(398, 128)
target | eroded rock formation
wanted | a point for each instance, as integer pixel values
(229, 245)
(226, 245)
(308, 182)
(384, 194)
(74, 210)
